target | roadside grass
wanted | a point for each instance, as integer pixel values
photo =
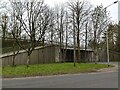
(50, 69)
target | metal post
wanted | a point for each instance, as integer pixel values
(74, 40)
(74, 53)
(107, 43)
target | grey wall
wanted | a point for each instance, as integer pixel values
(48, 54)
(39, 55)
(114, 56)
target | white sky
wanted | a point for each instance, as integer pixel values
(119, 11)
(113, 8)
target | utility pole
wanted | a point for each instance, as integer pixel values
(74, 39)
(108, 59)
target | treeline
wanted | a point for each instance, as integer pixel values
(75, 23)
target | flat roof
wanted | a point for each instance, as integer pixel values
(40, 47)
(70, 48)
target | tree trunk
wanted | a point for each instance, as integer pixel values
(95, 56)
(78, 45)
(86, 36)
(28, 60)
(13, 60)
(14, 55)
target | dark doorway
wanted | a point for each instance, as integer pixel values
(68, 55)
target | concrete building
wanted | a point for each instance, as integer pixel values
(47, 54)
(85, 55)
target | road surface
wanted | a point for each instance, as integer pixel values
(85, 80)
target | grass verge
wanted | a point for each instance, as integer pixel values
(50, 69)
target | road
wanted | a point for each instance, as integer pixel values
(84, 80)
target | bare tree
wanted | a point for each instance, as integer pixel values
(51, 26)
(100, 22)
(81, 10)
(118, 39)
(66, 24)
(86, 38)
(59, 28)
(34, 19)
(61, 31)
(74, 39)
(4, 25)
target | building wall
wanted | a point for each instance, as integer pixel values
(48, 54)
(57, 54)
(88, 57)
(40, 55)
(113, 56)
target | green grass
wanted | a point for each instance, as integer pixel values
(49, 69)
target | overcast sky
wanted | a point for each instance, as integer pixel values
(113, 9)
(119, 11)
